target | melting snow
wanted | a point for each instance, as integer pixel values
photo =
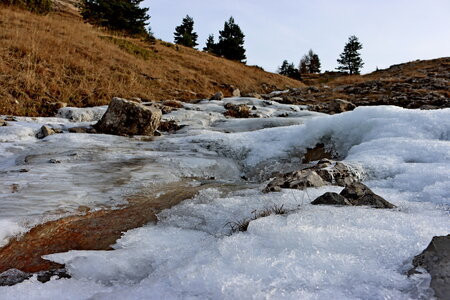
(313, 252)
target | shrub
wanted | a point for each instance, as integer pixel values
(35, 6)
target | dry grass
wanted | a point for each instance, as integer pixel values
(241, 226)
(58, 58)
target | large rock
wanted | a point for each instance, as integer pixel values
(359, 194)
(125, 117)
(436, 260)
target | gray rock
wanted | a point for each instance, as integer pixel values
(125, 117)
(331, 199)
(217, 96)
(12, 277)
(44, 132)
(295, 180)
(325, 172)
(359, 194)
(436, 260)
(236, 93)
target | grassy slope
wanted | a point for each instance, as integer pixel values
(53, 58)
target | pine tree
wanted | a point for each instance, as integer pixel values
(350, 59)
(289, 70)
(184, 34)
(231, 41)
(211, 46)
(117, 15)
(310, 63)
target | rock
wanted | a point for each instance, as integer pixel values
(276, 99)
(295, 180)
(359, 194)
(236, 93)
(44, 132)
(253, 95)
(3, 123)
(169, 126)
(217, 96)
(329, 172)
(237, 111)
(339, 173)
(12, 277)
(436, 260)
(54, 161)
(10, 119)
(82, 130)
(331, 199)
(317, 153)
(125, 117)
(338, 106)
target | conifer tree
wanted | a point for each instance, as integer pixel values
(118, 15)
(184, 34)
(231, 41)
(350, 59)
(211, 46)
(289, 70)
(310, 63)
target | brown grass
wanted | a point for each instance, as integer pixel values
(242, 226)
(58, 58)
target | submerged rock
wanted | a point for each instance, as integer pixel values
(317, 153)
(125, 117)
(82, 130)
(237, 111)
(436, 260)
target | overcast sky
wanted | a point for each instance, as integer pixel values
(391, 31)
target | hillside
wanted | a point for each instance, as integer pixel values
(418, 84)
(58, 58)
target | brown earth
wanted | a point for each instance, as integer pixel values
(420, 84)
(59, 58)
(96, 230)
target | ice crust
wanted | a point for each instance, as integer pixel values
(312, 252)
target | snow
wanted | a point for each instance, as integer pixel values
(312, 252)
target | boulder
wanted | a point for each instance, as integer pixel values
(217, 96)
(338, 106)
(359, 194)
(331, 199)
(45, 131)
(436, 260)
(125, 117)
(169, 126)
(236, 93)
(337, 173)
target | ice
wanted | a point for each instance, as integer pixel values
(88, 114)
(311, 252)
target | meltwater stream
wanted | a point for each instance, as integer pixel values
(313, 252)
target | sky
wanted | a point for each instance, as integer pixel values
(391, 31)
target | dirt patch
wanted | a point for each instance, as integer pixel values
(92, 231)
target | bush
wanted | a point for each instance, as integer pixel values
(35, 6)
